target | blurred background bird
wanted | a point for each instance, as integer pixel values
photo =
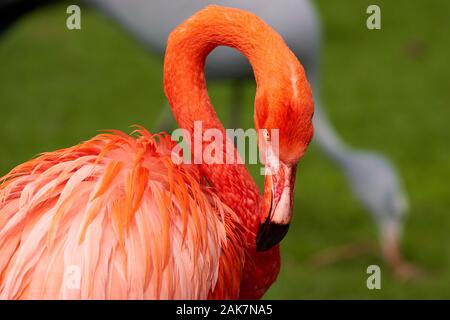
(348, 52)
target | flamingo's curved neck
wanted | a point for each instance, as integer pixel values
(185, 87)
(277, 72)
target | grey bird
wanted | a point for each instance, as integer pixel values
(371, 176)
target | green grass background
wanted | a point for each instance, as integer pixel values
(385, 90)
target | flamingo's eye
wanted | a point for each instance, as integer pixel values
(266, 135)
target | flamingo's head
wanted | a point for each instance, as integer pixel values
(283, 118)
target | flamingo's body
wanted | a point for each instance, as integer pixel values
(117, 212)
(106, 207)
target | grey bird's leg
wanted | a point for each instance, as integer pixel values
(237, 98)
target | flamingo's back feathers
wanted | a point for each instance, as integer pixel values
(115, 218)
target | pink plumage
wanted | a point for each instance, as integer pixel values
(106, 207)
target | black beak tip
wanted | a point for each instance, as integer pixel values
(270, 234)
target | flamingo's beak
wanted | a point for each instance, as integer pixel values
(278, 204)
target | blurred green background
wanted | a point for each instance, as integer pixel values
(384, 90)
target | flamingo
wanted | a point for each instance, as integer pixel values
(134, 224)
(372, 176)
